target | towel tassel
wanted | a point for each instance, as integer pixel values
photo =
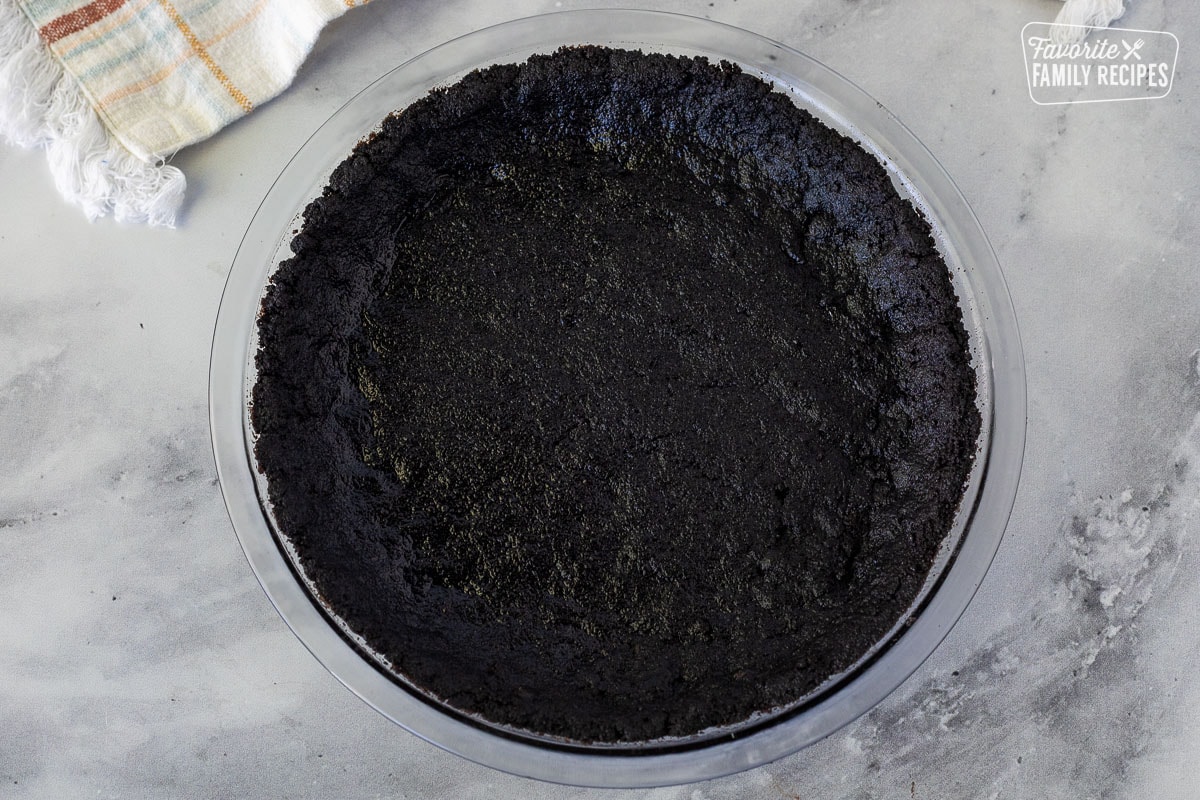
(41, 106)
(1089, 13)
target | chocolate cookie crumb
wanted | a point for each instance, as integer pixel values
(611, 396)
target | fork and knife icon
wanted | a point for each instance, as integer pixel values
(1132, 49)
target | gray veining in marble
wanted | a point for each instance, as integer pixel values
(139, 658)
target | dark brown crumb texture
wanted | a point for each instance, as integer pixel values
(611, 396)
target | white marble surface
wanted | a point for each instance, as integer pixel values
(139, 658)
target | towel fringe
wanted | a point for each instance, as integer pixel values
(1092, 13)
(43, 107)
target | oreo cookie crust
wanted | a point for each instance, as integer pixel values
(612, 397)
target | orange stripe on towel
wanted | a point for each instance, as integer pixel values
(202, 53)
(158, 77)
(77, 20)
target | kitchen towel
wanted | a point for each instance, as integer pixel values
(111, 89)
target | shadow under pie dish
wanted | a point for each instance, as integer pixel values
(609, 405)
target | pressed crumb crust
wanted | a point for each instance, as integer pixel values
(611, 396)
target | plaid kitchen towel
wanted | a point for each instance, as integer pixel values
(111, 88)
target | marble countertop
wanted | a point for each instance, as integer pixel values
(140, 658)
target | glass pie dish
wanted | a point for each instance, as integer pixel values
(961, 562)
